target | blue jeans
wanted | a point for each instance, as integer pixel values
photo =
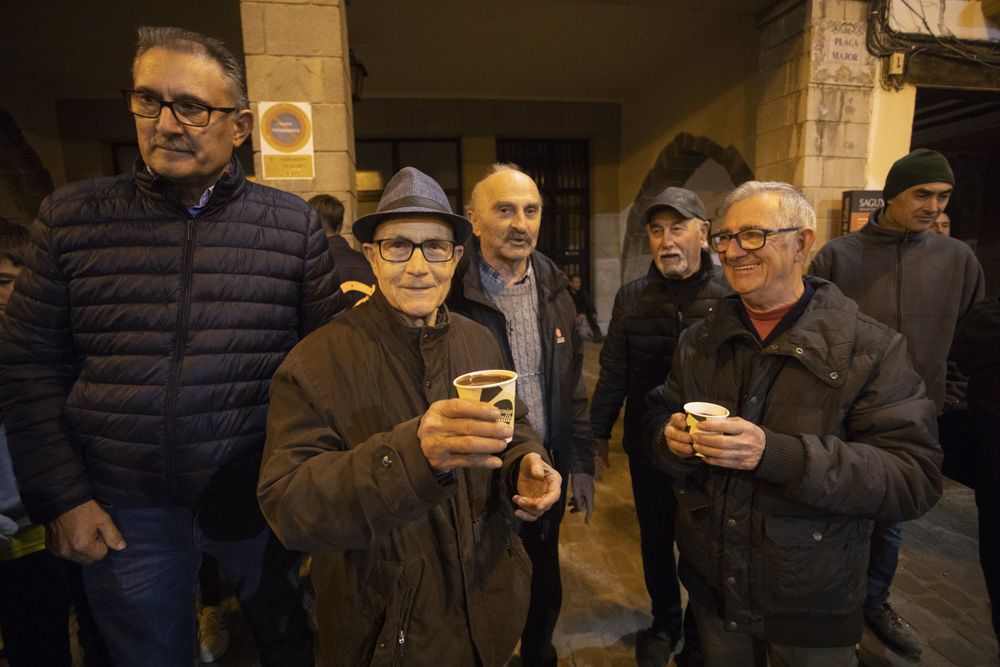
(144, 596)
(883, 561)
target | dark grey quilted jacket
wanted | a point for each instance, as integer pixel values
(140, 342)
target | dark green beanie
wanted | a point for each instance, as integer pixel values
(920, 166)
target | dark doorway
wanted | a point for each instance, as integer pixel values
(562, 171)
(964, 125)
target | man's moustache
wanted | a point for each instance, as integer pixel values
(182, 146)
(518, 236)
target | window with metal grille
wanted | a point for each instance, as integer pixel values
(379, 159)
(561, 168)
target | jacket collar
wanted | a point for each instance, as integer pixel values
(822, 339)
(550, 278)
(403, 333)
(879, 234)
(159, 189)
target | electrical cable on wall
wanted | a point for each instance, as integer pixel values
(883, 41)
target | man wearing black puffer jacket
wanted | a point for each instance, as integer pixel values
(649, 314)
(151, 313)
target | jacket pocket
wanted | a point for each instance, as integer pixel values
(694, 532)
(815, 565)
(391, 644)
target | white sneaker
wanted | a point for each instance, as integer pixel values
(213, 635)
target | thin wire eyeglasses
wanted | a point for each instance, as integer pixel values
(747, 239)
(193, 114)
(400, 250)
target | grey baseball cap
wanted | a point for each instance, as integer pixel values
(682, 200)
(411, 191)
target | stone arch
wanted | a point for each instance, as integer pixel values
(21, 170)
(675, 165)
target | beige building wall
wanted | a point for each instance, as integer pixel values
(298, 52)
(817, 93)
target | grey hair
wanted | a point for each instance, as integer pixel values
(494, 168)
(794, 210)
(179, 40)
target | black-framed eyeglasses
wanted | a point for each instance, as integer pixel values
(400, 249)
(194, 114)
(747, 239)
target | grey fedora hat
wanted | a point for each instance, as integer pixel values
(411, 191)
(682, 200)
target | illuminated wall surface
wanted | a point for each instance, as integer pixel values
(677, 92)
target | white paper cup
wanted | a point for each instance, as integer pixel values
(496, 387)
(698, 411)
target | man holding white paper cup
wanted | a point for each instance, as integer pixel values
(829, 429)
(405, 494)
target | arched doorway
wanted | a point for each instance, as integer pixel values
(696, 163)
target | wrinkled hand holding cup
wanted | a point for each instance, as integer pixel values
(698, 411)
(496, 387)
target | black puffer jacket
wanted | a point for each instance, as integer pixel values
(781, 551)
(569, 434)
(140, 343)
(648, 317)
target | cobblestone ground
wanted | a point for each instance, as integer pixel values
(939, 587)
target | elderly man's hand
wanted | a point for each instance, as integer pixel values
(457, 433)
(538, 487)
(729, 443)
(83, 534)
(678, 439)
(582, 498)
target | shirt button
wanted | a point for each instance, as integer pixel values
(834, 376)
(731, 625)
(818, 536)
(386, 461)
(730, 580)
(427, 337)
(753, 399)
(427, 383)
(798, 350)
(731, 523)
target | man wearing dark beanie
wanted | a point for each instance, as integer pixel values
(920, 284)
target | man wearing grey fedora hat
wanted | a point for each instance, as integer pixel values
(405, 494)
(921, 284)
(522, 297)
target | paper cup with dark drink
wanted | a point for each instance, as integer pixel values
(496, 387)
(699, 411)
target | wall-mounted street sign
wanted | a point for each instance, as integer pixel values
(286, 140)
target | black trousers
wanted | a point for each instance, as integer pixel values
(34, 611)
(541, 542)
(655, 506)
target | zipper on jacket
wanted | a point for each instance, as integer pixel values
(899, 281)
(170, 409)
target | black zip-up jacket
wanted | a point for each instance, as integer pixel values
(781, 551)
(648, 317)
(918, 283)
(569, 434)
(138, 348)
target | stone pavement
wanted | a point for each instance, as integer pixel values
(939, 587)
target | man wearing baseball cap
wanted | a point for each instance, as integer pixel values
(921, 284)
(648, 317)
(405, 495)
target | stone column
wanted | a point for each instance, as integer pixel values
(297, 51)
(816, 85)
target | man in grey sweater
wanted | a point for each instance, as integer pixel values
(920, 284)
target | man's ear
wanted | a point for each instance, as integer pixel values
(806, 237)
(244, 126)
(459, 251)
(369, 251)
